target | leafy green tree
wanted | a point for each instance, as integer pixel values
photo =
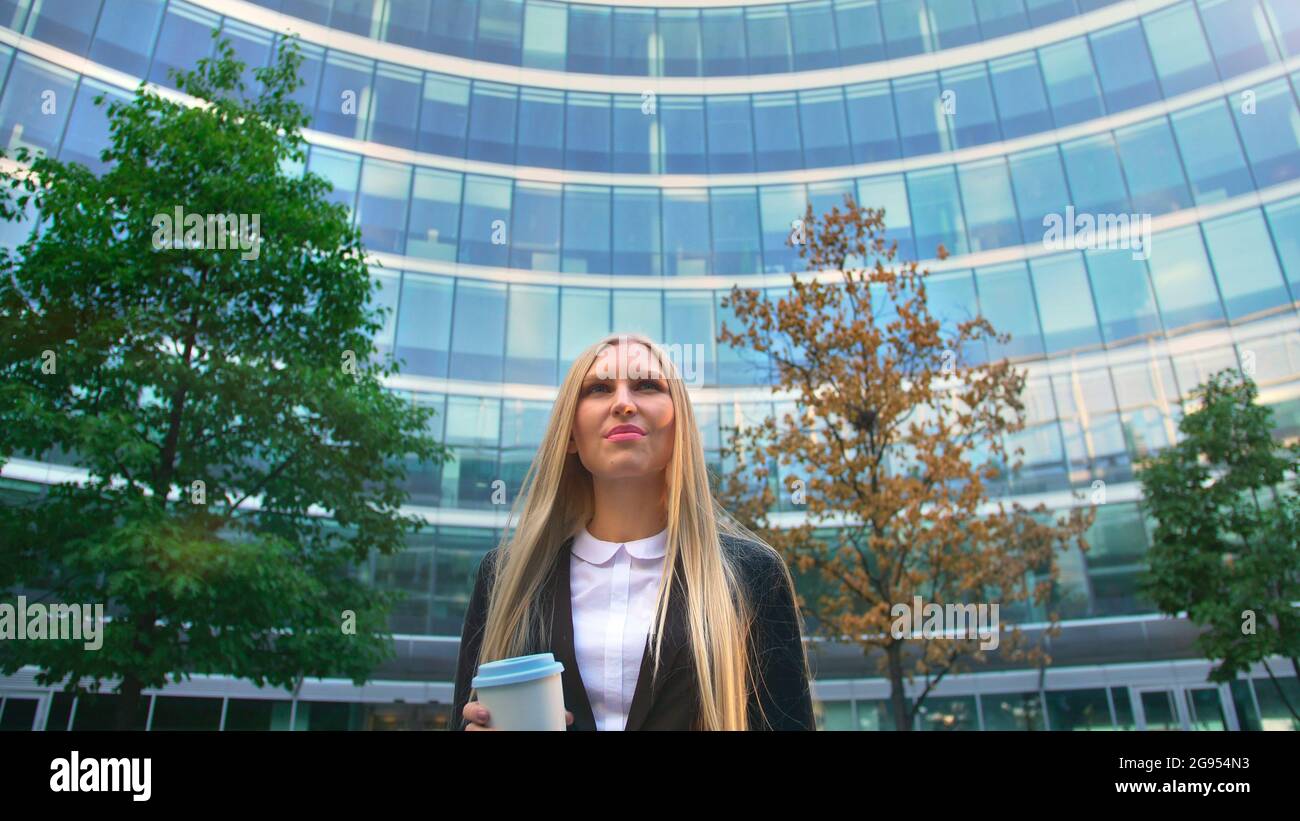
(218, 383)
(1225, 547)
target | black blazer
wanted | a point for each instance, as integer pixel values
(671, 701)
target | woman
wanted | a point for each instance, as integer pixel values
(617, 493)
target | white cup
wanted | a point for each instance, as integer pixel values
(522, 693)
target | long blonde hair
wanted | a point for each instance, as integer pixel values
(556, 499)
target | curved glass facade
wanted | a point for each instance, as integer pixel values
(514, 222)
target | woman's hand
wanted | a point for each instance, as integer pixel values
(477, 716)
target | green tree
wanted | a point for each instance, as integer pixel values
(219, 386)
(1225, 547)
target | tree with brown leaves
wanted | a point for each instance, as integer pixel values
(897, 438)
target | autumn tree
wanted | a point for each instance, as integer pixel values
(897, 439)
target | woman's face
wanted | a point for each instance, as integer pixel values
(623, 426)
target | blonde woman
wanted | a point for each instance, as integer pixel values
(617, 493)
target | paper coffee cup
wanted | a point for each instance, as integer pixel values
(522, 693)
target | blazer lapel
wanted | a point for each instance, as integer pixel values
(647, 691)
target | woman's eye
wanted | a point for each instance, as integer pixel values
(650, 382)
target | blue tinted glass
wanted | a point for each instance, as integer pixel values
(1239, 35)
(492, 122)
(776, 132)
(688, 321)
(1286, 22)
(890, 194)
(905, 27)
(586, 229)
(435, 215)
(955, 22)
(1179, 50)
(478, 331)
(1242, 254)
(1155, 177)
(532, 334)
(635, 135)
(737, 364)
(730, 138)
(936, 212)
(1007, 301)
(252, 47)
(950, 298)
(124, 40)
(1042, 12)
(922, 123)
(1125, 304)
(424, 324)
(640, 312)
(584, 318)
(682, 122)
(767, 33)
(990, 209)
(589, 39)
(485, 221)
(857, 24)
(679, 32)
(451, 28)
(52, 23)
(407, 23)
(1040, 188)
(535, 227)
(1124, 66)
(356, 16)
(634, 35)
(1064, 303)
(315, 11)
(184, 39)
(1211, 153)
(26, 119)
(1018, 88)
(823, 196)
(1184, 284)
(500, 29)
(734, 213)
(780, 206)
(971, 114)
(1092, 167)
(444, 115)
(313, 60)
(1071, 82)
(825, 131)
(723, 32)
(342, 107)
(999, 17)
(636, 231)
(88, 125)
(812, 28)
(340, 169)
(871, 122)
(546, 29)
(686, 232)
(541, 128)
(396, 107)
(381, 208)
(1270, 132)
(587, 132)
(1284, 219)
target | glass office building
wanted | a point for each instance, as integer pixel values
(646, 159)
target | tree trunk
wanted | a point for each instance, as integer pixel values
(128, 702)
(894, 652)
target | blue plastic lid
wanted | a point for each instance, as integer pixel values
(516, 670)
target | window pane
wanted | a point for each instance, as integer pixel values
(735, 230)
(723, 33)
(1064, 303)
(484, 222)
(1179, 50)
(535, 227)
(890, 194)
(1284, 218)
(533, 334)
(1124, 66)
(1242, 252)
(52, 23)
(541, 128)
(1071, 82)
(1184, 285)
(589, 39)
(936, 212)
(444, 115)
(545, 31)
(776, 132)
(397, 106)
(767, 31)
(905, 27)
(381, 209)
(1286, 19)
(587, 130)
(1155, 177)
(424, 324)
(857, 23)
(634, 38)
(679, 34)
(435, 214)
(1125, 303)
(1007, 301)
(1092, 167)
(954, 21)
(492, 122)
(636, 136)
(922, 123)
(812, 29)
(780, 205)
(1018, 88)
(124, 38)
(990, 209)
(871, 122)
(639, 312)
(584, 318)
(500, 26)
(407, 23)
(1270, 132)
(1042, 12)
(182, 42)
(1211, 154)
(636, 231)
(682, 122)
(731, 139)
(340, 169)
(1040, 189)
(1239, 35)
(478, 331)
(973, 117)
(825, 132)
(686, 232)
(344, 104)
(688, 321)
(586, 229)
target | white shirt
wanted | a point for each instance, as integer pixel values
(613, 587)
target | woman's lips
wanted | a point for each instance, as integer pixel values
(623, 436)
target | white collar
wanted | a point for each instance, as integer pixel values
(590, 549)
